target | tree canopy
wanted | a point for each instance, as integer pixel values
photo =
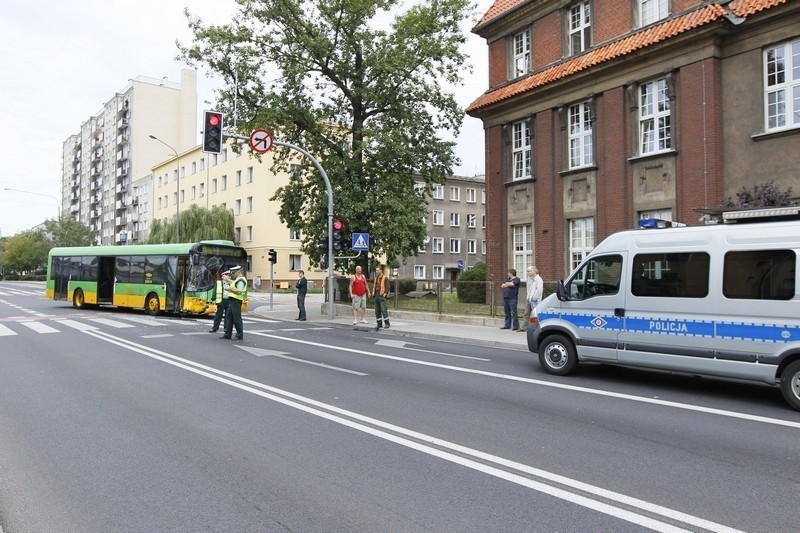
(27, 251)
(196, 224)
(361, 85)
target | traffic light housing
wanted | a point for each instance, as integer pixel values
(323, 245)
(273, 256)
(338, 235)
(212, 132)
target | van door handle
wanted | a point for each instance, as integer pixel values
(619, 312)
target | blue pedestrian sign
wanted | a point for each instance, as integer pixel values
(361, 242)
(461, 264)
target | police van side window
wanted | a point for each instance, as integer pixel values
(671, 275)
(598, 276)
(759, 275)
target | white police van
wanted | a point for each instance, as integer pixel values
(717, 300)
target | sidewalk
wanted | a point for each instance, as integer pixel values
(482, 331)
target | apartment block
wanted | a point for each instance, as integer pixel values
(113, 149)
(602, 112)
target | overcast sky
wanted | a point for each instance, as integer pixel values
(62, 61)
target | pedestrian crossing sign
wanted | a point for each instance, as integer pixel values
(361, 242)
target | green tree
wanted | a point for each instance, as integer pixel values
(67, 231)
(25, 251)
(471, 286)
(197, 224)
(761, 195)
(367, 99)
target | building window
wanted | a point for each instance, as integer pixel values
(295, 235)
(471, 221)
(472, 196)
(438, 192)
(437, 245)
(521, 150)
(194, 192)
(238, 178)
(655, 129)
(455, 246)
(438, 271)
(651, 11)
(438, 218)
(483, 247)
(455, 194)
(782, 86)
(249, 204)
(214, 186)
(522, 246)
(419, 188)
(224, 184)
(238, 209)
(419, 271)
(579, 28)
(194, 167)
(237, 234)
(581, 240)
(249, 233)
(202, 190)
(295, 262)
(483, 221)
(522, 54)
(581, 153)
(483, 196)
(249, 174)
(455, 220)
(663, 214)
(472, 246)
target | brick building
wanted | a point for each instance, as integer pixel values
(601, 112)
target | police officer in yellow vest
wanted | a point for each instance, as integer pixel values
(221, 299)
(236, 295)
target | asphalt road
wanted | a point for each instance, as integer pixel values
(115, 421)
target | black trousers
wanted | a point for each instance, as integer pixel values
(233, 317)
(220, 314)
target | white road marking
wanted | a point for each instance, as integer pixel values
(404, 345)
(260, 352)
(599, 499)
(5, 331)
(39, 327)
(113, 323)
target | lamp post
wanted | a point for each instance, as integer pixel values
(58, 202)
(178, 189)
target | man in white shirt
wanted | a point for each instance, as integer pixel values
(535, 286)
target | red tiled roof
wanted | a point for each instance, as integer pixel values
(498, 8)
(648, 37)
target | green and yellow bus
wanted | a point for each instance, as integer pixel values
(178, 278)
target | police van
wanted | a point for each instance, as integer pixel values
(719, 300)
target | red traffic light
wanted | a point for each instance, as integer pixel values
(338, 225)
(214, 120)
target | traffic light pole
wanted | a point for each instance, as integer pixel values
(330, 211)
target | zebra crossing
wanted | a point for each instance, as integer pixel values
(47, 324)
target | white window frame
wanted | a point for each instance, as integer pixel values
(655, 118)
(437, 245)
(455, 220)
(238, 209)
(295, 262)
(249, 174)
(651, 11)
(581, 240)
(472, 196)
(249, 233)
(521, 53)
(522, 246)
(455, 246)
(419, 271)
(437, 193)
(437, 271)
(472, 246)
(581, 152)
(455, 194)
(295, 234)
(580, 25)
(472, 220)
(437, 218)
(520, 150)
(249, 204)
(782, 86)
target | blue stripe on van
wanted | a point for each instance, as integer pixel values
(758, 332)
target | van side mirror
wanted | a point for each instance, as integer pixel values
(561, 292)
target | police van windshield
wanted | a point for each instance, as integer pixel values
(599, 275)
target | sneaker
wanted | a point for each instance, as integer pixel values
(355, 322)
(363, 321)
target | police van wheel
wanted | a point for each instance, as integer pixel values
(557, 355)
(78, 299)
(151, 305)
(790, 384)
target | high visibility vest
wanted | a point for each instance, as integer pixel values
(242, 288)
(218, 293)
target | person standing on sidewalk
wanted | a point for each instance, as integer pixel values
(359, 292)
(233, 317)
(535, 287)
(379, 293)
(302, 287)
(510, 296)
(221, 299)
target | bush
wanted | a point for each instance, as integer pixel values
(406, 285)
(472, 285)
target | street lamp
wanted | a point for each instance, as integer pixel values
(58, 202)
(177, 192)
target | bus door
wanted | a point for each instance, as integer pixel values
(105, 280)
(60, 275)
(176, 282)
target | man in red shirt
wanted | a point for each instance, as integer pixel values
(359, 292)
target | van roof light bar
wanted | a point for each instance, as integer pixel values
(658, 223)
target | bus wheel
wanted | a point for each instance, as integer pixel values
(152, 305)
(790, 384)
(557, 355)
(78, 299)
